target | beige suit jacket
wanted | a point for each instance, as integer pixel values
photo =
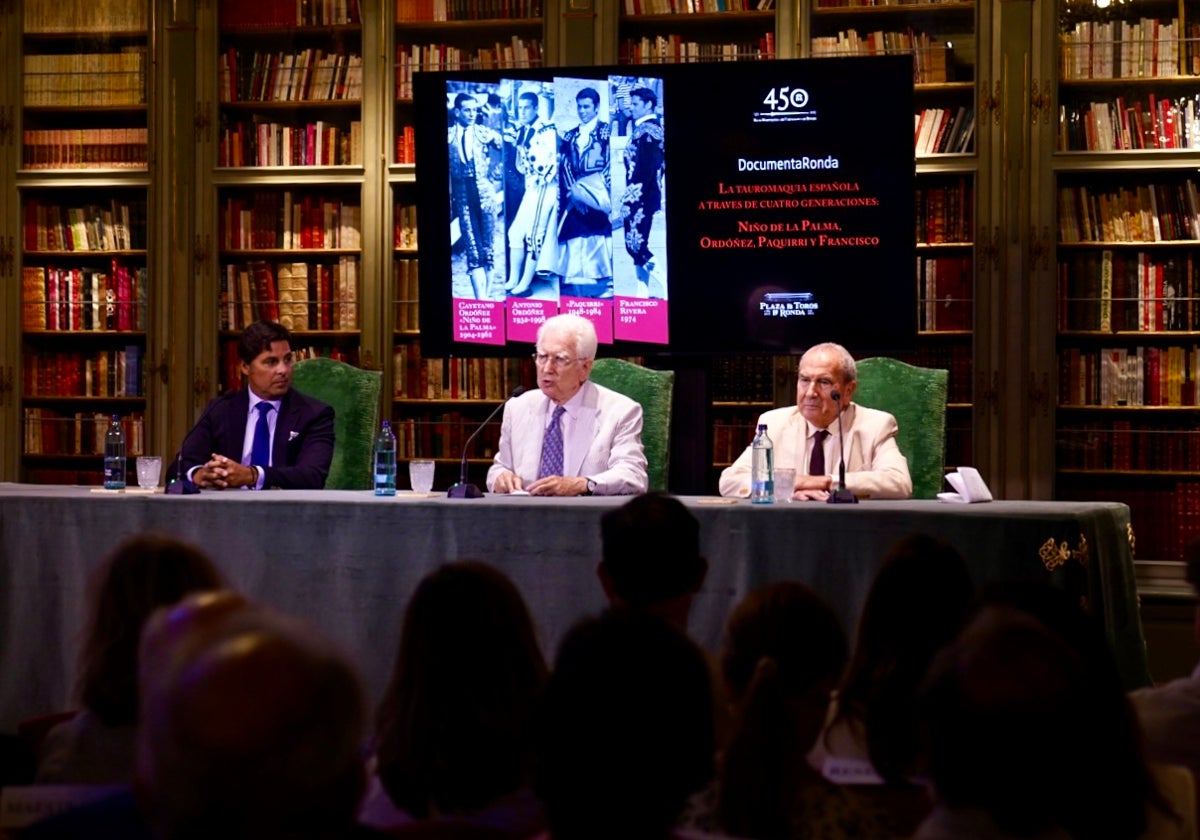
(874, 466)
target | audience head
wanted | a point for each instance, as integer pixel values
(141, 574)
(454, 724)
(917, 603)
(1002, 710)
(252, 725)
(784, 651)
(625, 730)
(651, 553)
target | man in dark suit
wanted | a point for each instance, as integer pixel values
(644, 161)
(293, 432)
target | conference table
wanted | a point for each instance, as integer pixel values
(348, 561)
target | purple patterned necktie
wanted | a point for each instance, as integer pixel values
(816, 463)
(552, 446)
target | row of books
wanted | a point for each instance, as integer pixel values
(1118, 445)
(103, 373)
(946, 300)
(1114, 124)
(1120, 49)
(416, 58)
(404, 226)
(231, 364)
(50, 432)
(408, 288)
(410, 11)
(278, 219)
(680, 49)
(730, 439)
(953, 357)
(695, 7)
(267, 143)
(1132, 376)
(76, 16)
(444, 435)
(310, 75)
(299, 295)
(84, 299)
(1155, 212)
(415, 377)
(945, 211)
(85, 148)
(750, 378)
(1162, 519)
(116, 226)
(85, 80)
(406, 145)
(933, 60)
(942, 131)
(1122, 291)
(264, 13)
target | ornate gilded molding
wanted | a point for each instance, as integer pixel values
(1057, 554)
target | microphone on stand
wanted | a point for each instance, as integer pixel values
(463, 490)
(843, 495)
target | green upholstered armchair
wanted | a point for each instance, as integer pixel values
(916, 397)
(354, 395)
(652, 389)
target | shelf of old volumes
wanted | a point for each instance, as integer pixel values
(288, 175)
(1118, 409)
(1131, 244)
(893, 9)
(284, 33)
(507, 24)
(56, 399)
(444, 401)
(752, 16)
(1130, 473)
(1126, 161)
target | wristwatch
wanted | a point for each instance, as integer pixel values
(591, 488)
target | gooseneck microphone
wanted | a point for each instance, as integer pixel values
(843, 495)
(463, 490)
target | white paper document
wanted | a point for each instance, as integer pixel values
(969, 487)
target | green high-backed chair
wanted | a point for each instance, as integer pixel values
(354, 395)
(652, 389)
(916, 397)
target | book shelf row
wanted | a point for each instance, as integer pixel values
(1153, 212)
(933, 59)
(231, 365)
(455, 378)
(944, 131)
(945, 211)
(1125, 445)
(416, 58)
(404, 226)
(406, 277)
(310, 75)
(1163, 517)
(85, 148)
(47, 17)
(85, 80)
(444, 435)
(273, 219)
(264, 142)
(1125, 49)
(284, 13)
(411, 11)
(104, 373)
(1115, 125)
(115, 226)
(51, 432)
(299, 295)
(945, 298)
(677, 49)
(633, 8)
(84, 299)
(1121, 291)
(1130, 376)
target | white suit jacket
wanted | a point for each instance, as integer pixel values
(602, 440)
(874, 465)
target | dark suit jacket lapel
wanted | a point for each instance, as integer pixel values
(288, 419)
(235, 425)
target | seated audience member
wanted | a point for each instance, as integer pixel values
(806, 436)
(917, 603)
(571, 437)
(264, 435)
(783, 653)
(1170, 713)
(624, 733)
(453, 729)
(1116, 793)
(143, 573)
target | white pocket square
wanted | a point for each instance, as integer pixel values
(292, 436)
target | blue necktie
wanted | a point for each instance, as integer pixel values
(552, 446)
(260, 451)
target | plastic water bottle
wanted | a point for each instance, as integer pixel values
(385, 461)
(762, 468)
(114, 455)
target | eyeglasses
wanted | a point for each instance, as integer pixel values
(823, 384)
(561, 360)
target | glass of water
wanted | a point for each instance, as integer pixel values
(148, 469)
(785, 484)
(420, 475)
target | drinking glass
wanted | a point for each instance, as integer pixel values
(420, 475)
(148, 469)
(785, 484)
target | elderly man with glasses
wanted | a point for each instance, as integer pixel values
(571, 437)
(806, 436)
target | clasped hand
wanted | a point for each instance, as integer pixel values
(551, 485)
(220, 473)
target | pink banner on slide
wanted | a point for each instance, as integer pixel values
(525, 316)
(641, 319)
(478, 321)
(597, 310)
